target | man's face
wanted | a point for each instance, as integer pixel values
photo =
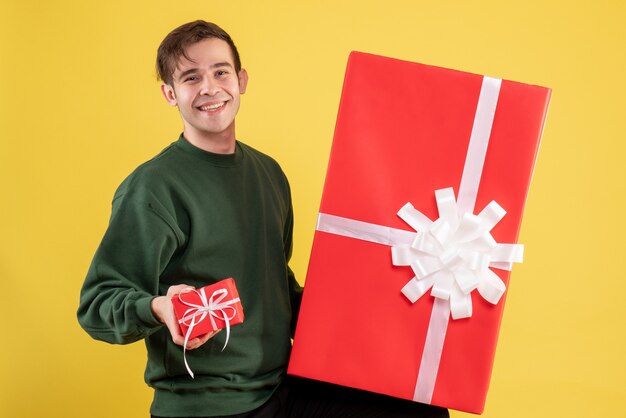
(206, 90)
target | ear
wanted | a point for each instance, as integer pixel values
(243, 80)
(169, 94)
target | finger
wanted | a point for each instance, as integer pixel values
(204, 338)
(174, 328)
(193, 344)
(199, 341)
(179, 288)
(177, 337)
(210, 335)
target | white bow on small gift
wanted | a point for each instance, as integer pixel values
(213, 307)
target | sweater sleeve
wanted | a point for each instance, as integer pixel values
(295, 290)
(124, 275)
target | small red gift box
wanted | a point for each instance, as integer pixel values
(419, 320)
(210, 308)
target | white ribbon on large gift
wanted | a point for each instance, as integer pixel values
(452, 255)
(213, 307)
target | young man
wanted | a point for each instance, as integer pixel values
(206, 208)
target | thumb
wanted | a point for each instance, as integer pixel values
(179, 288)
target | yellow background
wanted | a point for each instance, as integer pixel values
(80, 108)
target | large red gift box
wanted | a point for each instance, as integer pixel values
(210, 308)
(376, 308)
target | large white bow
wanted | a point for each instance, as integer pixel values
(452, 255)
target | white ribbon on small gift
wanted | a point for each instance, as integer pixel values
(451, 256)
(213, 307)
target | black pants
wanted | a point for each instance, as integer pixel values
(303, 398)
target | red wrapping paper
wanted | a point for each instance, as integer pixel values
(232, 310)
(402, 132)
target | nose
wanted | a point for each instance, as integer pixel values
(210, 87)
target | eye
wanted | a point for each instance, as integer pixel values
(190, 78)
(221, 73)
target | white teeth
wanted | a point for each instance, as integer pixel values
(213, 106)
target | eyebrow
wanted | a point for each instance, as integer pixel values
(193, 70)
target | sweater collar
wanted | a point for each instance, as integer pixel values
(223, 160)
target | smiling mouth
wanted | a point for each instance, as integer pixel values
(212, 107)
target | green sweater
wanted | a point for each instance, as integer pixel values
(190, 216)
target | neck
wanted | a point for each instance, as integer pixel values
(217, 143)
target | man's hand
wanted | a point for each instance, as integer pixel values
(164, 311)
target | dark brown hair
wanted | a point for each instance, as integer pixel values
(176, 42)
